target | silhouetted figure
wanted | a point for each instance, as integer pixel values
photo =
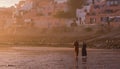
(76, 46)
(84, 52)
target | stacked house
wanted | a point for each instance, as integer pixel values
(106, 12)
(100, 12)
(39, 12)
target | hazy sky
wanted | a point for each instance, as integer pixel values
(8, 3)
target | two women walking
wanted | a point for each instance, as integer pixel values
(83, 52)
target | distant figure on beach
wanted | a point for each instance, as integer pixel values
(76, 46)
(84, 52)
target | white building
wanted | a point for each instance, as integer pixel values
(60, 1)
(81, 14)
(27, 6)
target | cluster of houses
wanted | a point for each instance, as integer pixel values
(100, 12)
(41, 13)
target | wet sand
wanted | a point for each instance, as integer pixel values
(56, 58)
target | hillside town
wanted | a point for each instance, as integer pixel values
(38, 13)
(60, 34)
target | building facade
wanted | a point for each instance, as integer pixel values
(82, 12)
(105, 12)
(40, 12)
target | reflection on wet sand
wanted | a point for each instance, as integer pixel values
(83, 65)
(56, 58)
(76, 63)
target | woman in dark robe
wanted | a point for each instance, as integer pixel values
(84, 51)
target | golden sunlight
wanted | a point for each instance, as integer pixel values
(8, 3)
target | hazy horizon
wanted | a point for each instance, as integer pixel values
(8, 3)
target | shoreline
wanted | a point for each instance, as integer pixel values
(56, 58)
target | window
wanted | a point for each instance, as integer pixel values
(97, 7)
(116, 3)
(108, 3)
(93, 13)
(92, 20)
(108, 11)
(113, 2)
(104, 19)
(117, 19)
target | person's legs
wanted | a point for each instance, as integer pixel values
(76, 57)
(76, 54)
